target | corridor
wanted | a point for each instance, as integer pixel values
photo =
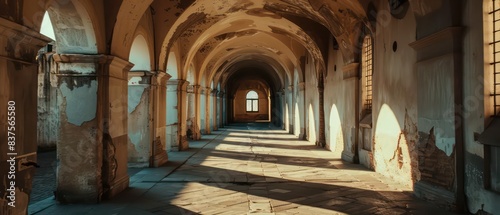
(253, 168)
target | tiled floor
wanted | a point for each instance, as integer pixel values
(247, 169)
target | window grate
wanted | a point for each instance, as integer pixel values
(495, 13)
(368, 70)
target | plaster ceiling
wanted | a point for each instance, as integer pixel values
(210, 32)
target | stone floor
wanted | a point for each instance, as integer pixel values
(251, 169)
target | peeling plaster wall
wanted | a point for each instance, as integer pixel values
(48, 110)
(139, 121)
(78, 145)
(394, 100)
(475, 108)
(172, 115)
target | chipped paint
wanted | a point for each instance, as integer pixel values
(79, 112)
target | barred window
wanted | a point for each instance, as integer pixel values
(367, 68)
(495, 13)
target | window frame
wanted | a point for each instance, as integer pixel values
(254, 108)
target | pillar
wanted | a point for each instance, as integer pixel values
(302, 109)
(172, 115)
(321, 91)
(282, 101)
(18, 113)
(193, 129)
(197, 114)
(214, 100)
(350, 74)
(208, 92)
(220, 114)
(290, 109)
(92, 145)
(177, 114)
(159, 147)
(144, 148)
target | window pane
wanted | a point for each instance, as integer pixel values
(255, 105)
(252, 95)
(249, 105)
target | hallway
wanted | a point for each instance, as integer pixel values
(253, 168)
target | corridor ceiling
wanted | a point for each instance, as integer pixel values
(212, 36)
(216, 35)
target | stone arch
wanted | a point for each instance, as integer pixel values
(128, 18)
(76, 27)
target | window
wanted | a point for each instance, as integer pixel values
(367, 61)
(252, 101)
(490, 137)
(495, 48)
(366, 93)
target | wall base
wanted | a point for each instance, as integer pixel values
(437, 195)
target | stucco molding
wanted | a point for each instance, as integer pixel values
(350, 71)
(448, 40)
(117, 67)
(162, 78)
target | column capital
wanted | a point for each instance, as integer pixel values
(290, 88)
(302, 86)
(197, 89)
(214, 92)
(208, 90)
(190, 89)
(91, 65)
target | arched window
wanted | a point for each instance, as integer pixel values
(252, 101)
(367, 63)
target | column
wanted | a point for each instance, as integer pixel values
(290, 109)
(215, 108)
(321, 91)
(350, 75)
(92, 145)
(302, 109)
(172, 115)
(197, 115)
(208, 92)
(159, 150)
(191, 113)
(140, 118)
(220, 114)
(177, 114)
(18, 87)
